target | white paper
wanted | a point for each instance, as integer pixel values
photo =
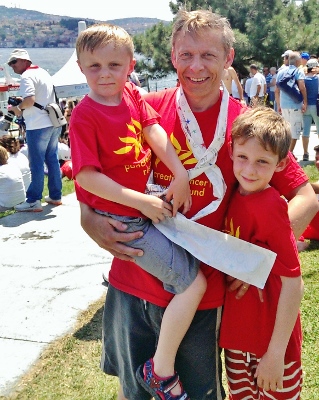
(233, 256)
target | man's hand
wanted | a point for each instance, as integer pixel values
(241, 287)
(103, 230)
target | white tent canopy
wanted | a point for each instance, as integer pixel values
(69, 80)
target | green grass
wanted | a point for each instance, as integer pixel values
(67, 188)
(69, 367)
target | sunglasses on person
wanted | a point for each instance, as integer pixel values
(13, 62)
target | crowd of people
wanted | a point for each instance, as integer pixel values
(260, 89)
(220, 152)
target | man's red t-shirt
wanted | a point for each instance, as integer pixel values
(130, 278)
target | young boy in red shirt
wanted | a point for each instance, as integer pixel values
(262, 339)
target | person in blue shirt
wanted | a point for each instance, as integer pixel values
(290, 110)
(312, 86)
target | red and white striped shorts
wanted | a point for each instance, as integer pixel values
(240, 370)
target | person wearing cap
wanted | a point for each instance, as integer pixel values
(303, 61)
(312, 85)
(290, 110)
(42, 137)
(285, 57)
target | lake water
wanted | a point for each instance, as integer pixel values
(53, 60)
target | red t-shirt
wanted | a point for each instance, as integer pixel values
(130, 278)
(247, 324)
(110, 139)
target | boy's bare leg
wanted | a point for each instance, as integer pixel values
(175, 323)
(120, 395)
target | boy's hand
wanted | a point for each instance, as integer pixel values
(155, 208)
(180, 192)
(270, 372)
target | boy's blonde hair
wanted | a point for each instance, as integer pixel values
(4, 156)
(100, 35)
(198, 22)
(267, 126)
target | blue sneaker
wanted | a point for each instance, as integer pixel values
(158, 387)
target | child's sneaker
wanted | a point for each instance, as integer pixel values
(158, 387)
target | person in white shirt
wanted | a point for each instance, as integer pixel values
(12, 191)
(258, 87)
(12, 145)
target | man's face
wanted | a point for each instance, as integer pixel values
(253, 71)
(265, 71)
(19, 66)
(317, 160)
(200, 61)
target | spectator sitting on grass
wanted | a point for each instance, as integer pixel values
(12, 191)
(12, 145)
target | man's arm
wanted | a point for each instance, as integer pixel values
(238, 84)
(303, 91)
(277, 98)
(302, 207)
(27, 102)
(315, 187)
(103, 231)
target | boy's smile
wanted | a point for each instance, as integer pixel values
(254, 166)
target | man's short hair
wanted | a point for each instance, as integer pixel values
(199, 21)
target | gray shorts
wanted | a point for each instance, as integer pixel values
(131, 328)
(170, 263)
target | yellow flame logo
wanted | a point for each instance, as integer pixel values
(186, 156)
(132, 142)
(232, 231)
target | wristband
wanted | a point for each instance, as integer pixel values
(18, 107)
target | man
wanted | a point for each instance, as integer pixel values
(258, 87)
(272, 87)
(201, 50)
(285, 56)
(268, 77)
(312, 231)
(42, 138)
(303, 61)
(290, 110)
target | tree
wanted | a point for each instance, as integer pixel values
(263, 29)
(155, 47)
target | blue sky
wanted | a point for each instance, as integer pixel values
(106, 10)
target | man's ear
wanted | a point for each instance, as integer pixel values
(282, 164)
(173, 57)
(229, 58)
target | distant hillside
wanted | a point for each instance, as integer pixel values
(11, 17)
(25, 28)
